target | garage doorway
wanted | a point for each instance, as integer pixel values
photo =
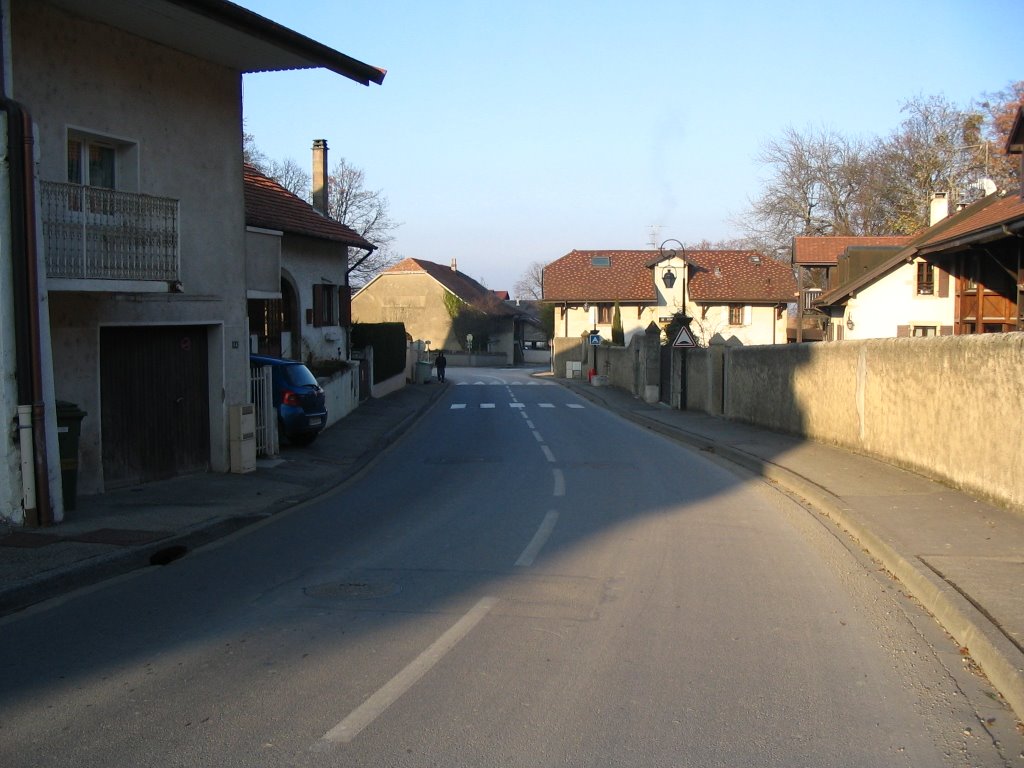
(154, 396)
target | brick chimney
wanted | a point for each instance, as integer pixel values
(320, 175)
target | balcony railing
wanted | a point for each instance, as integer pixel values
(92, 233)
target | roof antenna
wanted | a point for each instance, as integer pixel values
(654, 235)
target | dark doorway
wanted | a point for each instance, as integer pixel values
(665, 375)
(154, 396)
(265, 325)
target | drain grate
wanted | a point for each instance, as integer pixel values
(351, 590)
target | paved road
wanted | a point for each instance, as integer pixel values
(524, 580)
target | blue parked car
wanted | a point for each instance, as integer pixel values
(300, 403)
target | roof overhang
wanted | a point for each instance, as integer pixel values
(222, 32)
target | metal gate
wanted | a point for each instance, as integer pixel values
(261, 388)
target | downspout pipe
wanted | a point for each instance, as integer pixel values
(20, 155)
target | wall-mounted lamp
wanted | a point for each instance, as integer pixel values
(849, 322)
(668, 277)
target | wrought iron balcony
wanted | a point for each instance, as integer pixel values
(92, 233)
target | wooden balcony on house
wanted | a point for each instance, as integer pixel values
(96, 234)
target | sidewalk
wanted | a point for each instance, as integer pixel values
(120, 531)
(961, 558)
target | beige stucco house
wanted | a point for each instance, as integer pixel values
(735, 297)
(427, 297)
(140, 251)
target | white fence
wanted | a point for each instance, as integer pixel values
(262, 391)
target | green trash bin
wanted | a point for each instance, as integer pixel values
(69, 427)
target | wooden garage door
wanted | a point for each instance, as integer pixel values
(154, 403)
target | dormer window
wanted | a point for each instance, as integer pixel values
(600, 261)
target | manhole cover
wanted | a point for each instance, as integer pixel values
(351, 590)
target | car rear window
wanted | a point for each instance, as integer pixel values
(298, 375)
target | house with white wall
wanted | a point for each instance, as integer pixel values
(302, 307)
(735, 297)
(133, 207)
(961, 275)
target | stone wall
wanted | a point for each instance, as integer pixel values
(947, 407)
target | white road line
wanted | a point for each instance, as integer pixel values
(547, 405)
(486, 405)
(576, 405)
(540, 538)
(517, 405)
(528, 422)
(458, 406)
(536, 434)
(547, 452)
(559, 482)
(376, 705)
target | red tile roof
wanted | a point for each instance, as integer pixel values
(739, 276)
(1001, 209)
(714, 276)
(626, 278)
(980, 222)
(825, 251)
(463, 286)
(271, 206)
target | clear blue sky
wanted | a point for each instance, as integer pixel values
(513, 131)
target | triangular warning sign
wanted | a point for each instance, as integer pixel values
(684, 339)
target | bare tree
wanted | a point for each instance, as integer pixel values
(811, 189)
(821, 183)
(290, 175)
(361, 209)
(937, 148)
(367, 212)
(530, 285)
(1000, 109)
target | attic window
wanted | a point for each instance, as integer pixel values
(600, 261)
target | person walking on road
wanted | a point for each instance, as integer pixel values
(441, 362)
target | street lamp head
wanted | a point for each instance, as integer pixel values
(669, 278)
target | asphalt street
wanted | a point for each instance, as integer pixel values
(523, 579)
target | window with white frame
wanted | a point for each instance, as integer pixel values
(102, 161)
(736, 314)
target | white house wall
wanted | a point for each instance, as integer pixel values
(579, 321)
(310, 262)
(263, 263)
(761, 325)
(892, 301)
(184, 115)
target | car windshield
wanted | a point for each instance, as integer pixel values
(299, 376)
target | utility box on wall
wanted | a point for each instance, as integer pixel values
(242, 421)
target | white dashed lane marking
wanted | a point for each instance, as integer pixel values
(521, 407)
